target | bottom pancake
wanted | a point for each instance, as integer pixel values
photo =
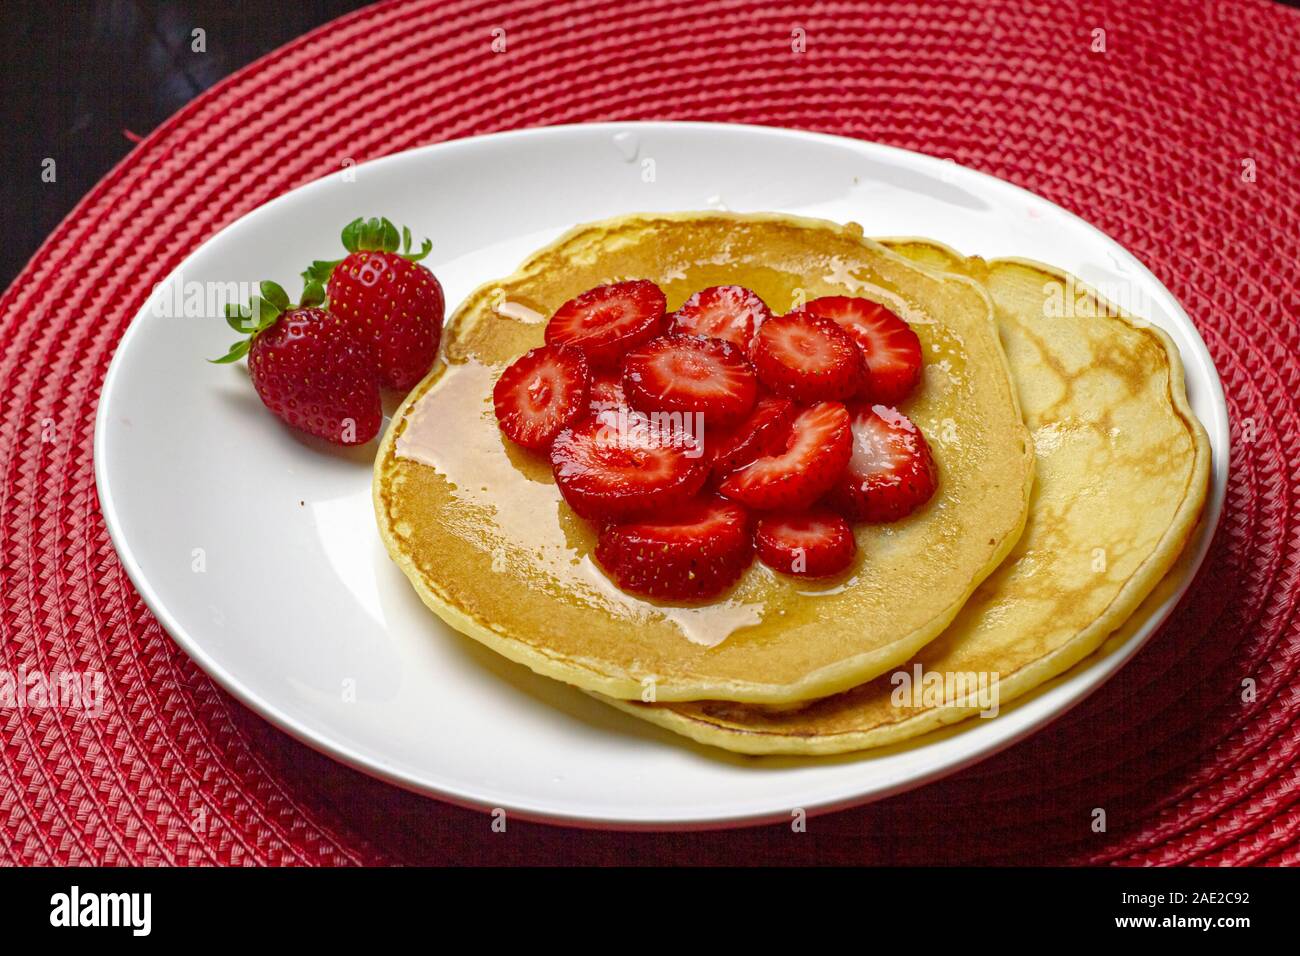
(1122, 474)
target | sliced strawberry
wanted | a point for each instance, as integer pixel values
(609, 320)
(811, 461)
(729, 312)
(621, 466)
(807, 358)
(890, 347)
(813, 543)
(891, 472)
(540, 393)
(763, 431)
(691, 553)
(689, 373)
(606, 392)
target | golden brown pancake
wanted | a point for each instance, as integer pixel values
(482, 533)
(1123, 467)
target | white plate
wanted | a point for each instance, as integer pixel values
(258, 550)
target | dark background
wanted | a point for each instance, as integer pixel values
(85, 77)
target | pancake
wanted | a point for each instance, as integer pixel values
(1123, 468)
(483, 535)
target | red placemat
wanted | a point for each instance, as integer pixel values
(1173, 129)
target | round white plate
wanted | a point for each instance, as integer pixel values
(257, 549)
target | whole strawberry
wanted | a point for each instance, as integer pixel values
(308, 366)
(388, 296)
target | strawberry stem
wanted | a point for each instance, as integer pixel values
(261, 313)
(368, 235)
(361, 235)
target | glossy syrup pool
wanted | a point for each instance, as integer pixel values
(503, 498)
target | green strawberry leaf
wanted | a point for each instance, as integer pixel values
(240, 318)
(425, 247)
(275, 294)
(262, 312)
(320, 271)
(373, 234)
(313, 294)
(267, 310)
(237, 351)
(352, 235)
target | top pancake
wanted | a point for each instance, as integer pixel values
(1123, 468)
(481, 531)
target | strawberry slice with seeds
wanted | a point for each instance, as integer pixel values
(608, 321)
(763, 431)
(693, 552)
(622, 466)
(813, 543)
(808, 358)
(729, 312)
(690, 373)
(812, 459)
(541, 392)
(891, 472)
(890, 347)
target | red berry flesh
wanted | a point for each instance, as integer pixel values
(812, 459)
(813, 543)
(691, 553)
(890, 347)
(808, 358)
(891, 471)
(609, 321)
(540, 393)
(763, 431)
(689, 373)
(607, 471)
(606, 393)
(729, 312)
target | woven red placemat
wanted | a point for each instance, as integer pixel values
(1173, 129)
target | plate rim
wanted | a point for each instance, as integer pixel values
(1100, 670)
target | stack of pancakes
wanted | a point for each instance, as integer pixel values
(1071, 474)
